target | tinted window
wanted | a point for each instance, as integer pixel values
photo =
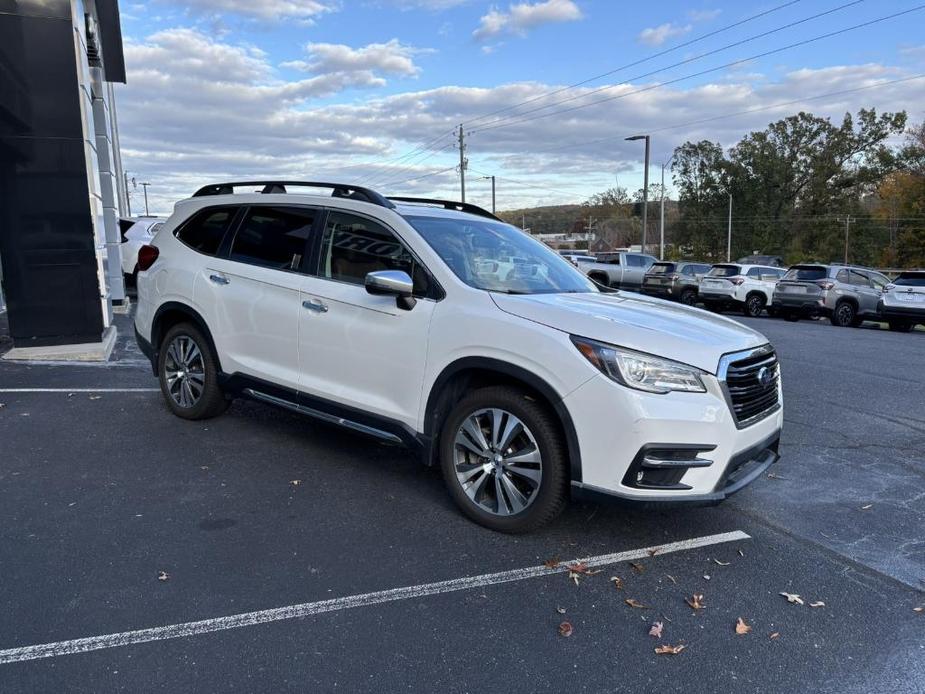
(273, 237)
(754, 272)
(910, 279)
(637, 261)
(611, 258)
(354, 246)
(724, 271)
(701, 269)
(205, 231)
(663, 268)
(804, 273)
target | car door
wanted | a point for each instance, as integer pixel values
(634, 270)
(357, 349)
(253, 288)
(864, 290)
(877, 282)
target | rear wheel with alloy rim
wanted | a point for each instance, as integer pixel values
(503, 460)
(844, 315)
(189, 375)
(689, 297)
(754, 305)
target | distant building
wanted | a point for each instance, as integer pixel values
(565, 240)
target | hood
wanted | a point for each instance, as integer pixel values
(662, 328)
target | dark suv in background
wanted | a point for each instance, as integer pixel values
(846, 294)
(677, 281)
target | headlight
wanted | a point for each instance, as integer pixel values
(640, 371)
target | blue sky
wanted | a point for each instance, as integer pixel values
(220, 88)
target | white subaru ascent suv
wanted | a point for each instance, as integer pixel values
(395, 317)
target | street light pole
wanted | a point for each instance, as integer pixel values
(645, 188)
(661, 218)
(729, 233)
(847, 226)
(492, 194)
(145, 186)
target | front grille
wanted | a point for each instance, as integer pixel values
(752, 383)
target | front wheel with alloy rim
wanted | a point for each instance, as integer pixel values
(503, 460)
(754, 305)
(689, 297)
(844, 315)
(188, 373)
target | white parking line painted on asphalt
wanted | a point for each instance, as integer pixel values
(80, 390)
(205, 626)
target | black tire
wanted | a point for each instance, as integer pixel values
(549, 498)
(844, 315)
(790, 316)
(211, 401)
(901, 326)
(689, 297)
(754, 305)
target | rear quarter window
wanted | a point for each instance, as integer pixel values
(205, 230)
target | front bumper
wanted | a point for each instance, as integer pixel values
(701, 422)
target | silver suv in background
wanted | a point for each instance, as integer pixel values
(619, 269)
(677, 281)
(846, 294)
(902, 304)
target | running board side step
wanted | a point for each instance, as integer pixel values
(323, 416)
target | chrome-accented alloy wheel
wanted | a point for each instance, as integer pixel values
(497, 461)
(184, 371)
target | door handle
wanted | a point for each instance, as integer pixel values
(315, 305)
(219, 279)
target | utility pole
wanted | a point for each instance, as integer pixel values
(661, 218)
(462, 164)
(729, 233)
(523, 221)
(145, 186)
(128, 196)
(492, 194)
(847, 226)
(645, 188)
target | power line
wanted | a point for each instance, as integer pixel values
(678, 126)
(637, 62)
(416, 178)
(410, 165)
(686, 61)
(705, 72)
(527, 185)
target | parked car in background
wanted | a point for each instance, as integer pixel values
(136, 232)
(902, 303)
(746, 288)
(771, 260)
(372, 314)
(620, 269)
(847, 295)
(677, 281)
(574, 256)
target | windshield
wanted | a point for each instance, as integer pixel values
(911, 279)
(661, 268)
(498, 257)
(807, 274)
(724, 271)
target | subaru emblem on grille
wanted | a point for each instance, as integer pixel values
(765, 375)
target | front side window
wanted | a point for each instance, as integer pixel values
(880, 281)
(354, 246)
(206, 229)
(274, 237)
(497, 257)
(636, 260)
(858, 279)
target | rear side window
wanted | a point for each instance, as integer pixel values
(910, 279)
(857, 278)
(354, 246)
(805, 274)
(206, 229)
(754, 272)
(274, 237)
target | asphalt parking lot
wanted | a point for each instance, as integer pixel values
(291, 537)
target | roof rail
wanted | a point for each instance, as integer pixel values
(338, 190)
(450, 205)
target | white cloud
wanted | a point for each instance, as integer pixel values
(522, 17)
(656, 36)
(703, 15)
(197, 109)
(392, 57)
(266, 10)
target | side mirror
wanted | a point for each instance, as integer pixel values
(395, 283)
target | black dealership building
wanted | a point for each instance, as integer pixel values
(61, 182)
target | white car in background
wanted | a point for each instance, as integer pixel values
(746, 288)
(136, 232)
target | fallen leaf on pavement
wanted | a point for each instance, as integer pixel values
(617, 582)
(793, 599)
(864, 508)
(653, 551)
(560, 610)
(163, 576)
(741, 553)
(656, 630)
(695, 601)
(774, 476)
(579, 567)
(818, 603)
(669, 650)
(295, 483)
(2, 405)
(920, 610)
(552, 563)
(721, 563)
(635, 603)
(672, 579)
(565, 629)
(95, 397)
(638, 568)
(774, 635)
(742, 627)
(706, 577)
